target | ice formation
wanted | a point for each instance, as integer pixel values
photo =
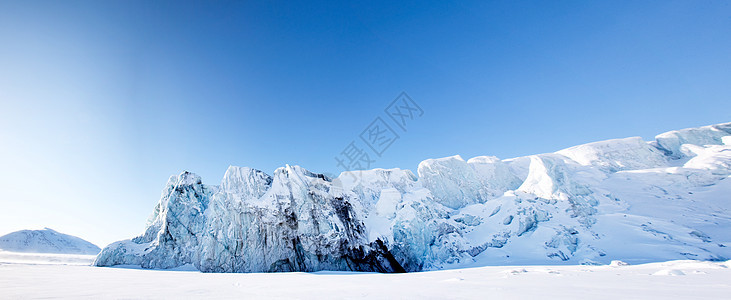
(623, 199)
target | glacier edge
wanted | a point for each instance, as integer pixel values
(623, 199)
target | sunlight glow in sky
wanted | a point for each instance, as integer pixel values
(101, 101)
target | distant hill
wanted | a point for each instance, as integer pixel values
(46, 241)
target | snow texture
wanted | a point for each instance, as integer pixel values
(625, 199)
(666, 280)
(46, 241)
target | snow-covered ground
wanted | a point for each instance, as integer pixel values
(45, 258)
(667, 280)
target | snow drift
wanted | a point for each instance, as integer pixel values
(623, 199)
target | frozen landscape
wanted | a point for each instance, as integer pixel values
(365, 149)
(623, 199)
(623, 219)
(666, 280)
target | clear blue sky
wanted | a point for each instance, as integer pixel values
(101, 101)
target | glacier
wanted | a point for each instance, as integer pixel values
(622, 199)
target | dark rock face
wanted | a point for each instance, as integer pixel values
(299, 224)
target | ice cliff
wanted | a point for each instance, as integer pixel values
(623, 199)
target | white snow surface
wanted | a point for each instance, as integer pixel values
(623, 199)
(46, 241)
(46, 258)
(666, 280)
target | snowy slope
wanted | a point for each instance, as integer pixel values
(618, 199)
(46, 241)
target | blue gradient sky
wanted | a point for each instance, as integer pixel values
(101, 101)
